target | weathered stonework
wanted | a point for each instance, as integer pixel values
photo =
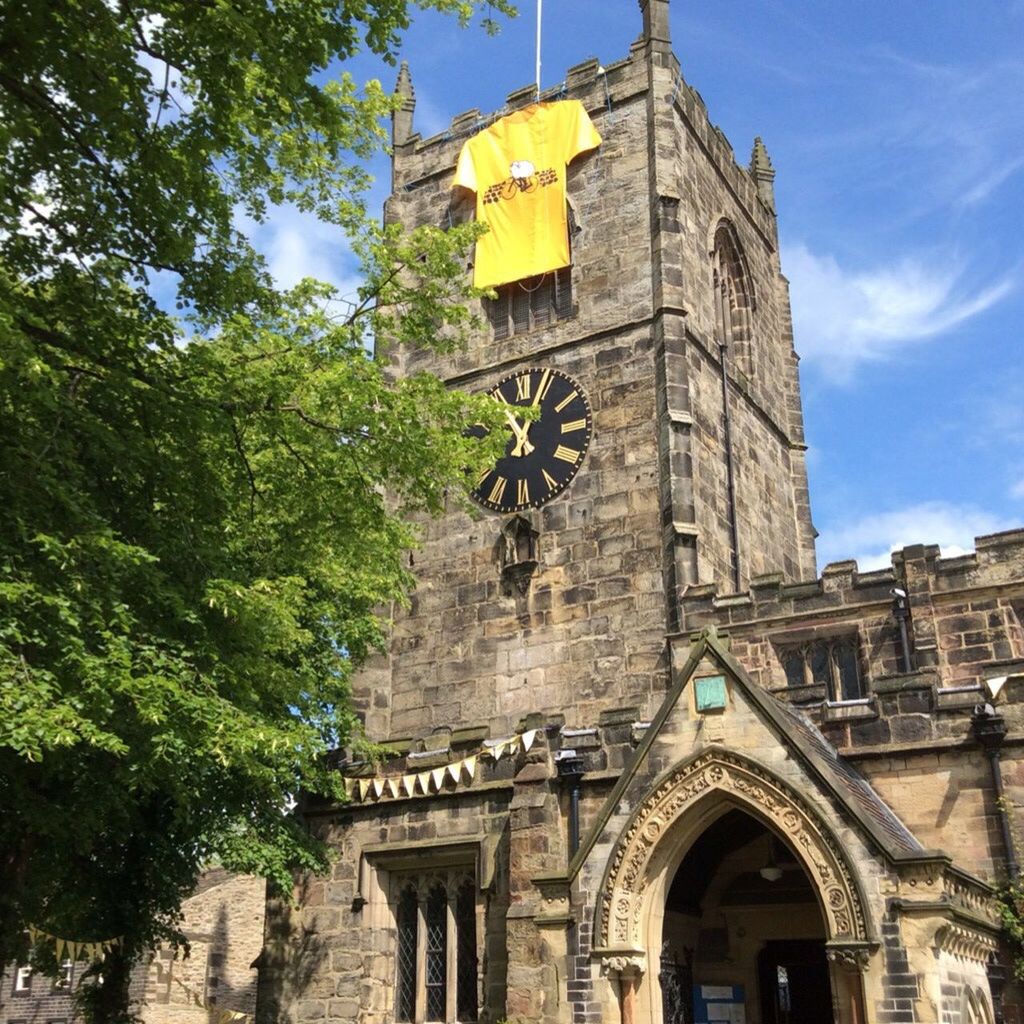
(652, 573)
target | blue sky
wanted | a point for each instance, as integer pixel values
(897, 131)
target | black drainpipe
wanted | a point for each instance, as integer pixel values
(570, 771)
(729, 470)
(990, 731)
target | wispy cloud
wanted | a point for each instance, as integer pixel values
(844, 318)
(1017, 489)
(871, 539)
(298, 245)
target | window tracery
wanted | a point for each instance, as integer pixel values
(733, 296)
(436, 947)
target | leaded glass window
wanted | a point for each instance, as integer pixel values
(832, 662)
(465, 929)
(405, 982)
(436, 963)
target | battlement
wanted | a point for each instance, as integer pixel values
(997, 560)
(962, 618)
(603, 89)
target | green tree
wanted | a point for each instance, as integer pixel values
(194, 536)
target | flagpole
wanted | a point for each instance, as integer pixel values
(539, 6)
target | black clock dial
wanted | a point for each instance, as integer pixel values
(544, 454)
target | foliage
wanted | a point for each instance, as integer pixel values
(1011, 913)
(194, 536)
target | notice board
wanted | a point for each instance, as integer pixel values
(719, 1004)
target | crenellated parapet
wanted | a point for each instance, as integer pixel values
(899, 655)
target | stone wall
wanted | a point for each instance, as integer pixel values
(912, 734)
(223, 924)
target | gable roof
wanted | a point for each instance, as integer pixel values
(851, 792)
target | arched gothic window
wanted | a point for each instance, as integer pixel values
(734, 299)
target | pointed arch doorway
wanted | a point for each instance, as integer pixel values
(742, 932)
(722, 846)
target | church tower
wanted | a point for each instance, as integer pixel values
(641, 765)
(674, 320)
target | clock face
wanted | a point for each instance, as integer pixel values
(544, 454)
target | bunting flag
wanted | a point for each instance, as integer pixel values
(69, 949)
(433, 779)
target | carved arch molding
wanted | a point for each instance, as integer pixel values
(621, 918)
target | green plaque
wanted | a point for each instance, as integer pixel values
(710, 693)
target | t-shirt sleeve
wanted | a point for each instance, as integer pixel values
(581, 135)
(465, 171)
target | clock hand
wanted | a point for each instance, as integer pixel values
(523, 446)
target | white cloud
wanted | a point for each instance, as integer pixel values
(843, 318)
(871, 539)
(1017, 490)
(297, 245)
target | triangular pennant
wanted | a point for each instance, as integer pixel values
(513, 746)
(528, 738)
(393, 786)
(364, 788)
(378, 787)
(75, 949)
(59, 949)
(424, 780)
(349, 786)
(455, 770)
(33, 934)
(470, 767)
(498, 749)
(437, 775)
(409, 784)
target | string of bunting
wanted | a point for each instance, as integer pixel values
(70, 949)
(433, 779)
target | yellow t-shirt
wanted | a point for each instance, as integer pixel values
(516, 167)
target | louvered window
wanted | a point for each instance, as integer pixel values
(530, 304)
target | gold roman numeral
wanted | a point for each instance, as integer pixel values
(549, 480)
(523, 387)
(571, 397)
(497, 491)
(567, 454)
(543, 387)
(499, 397)
(572, 425)
(522, 492)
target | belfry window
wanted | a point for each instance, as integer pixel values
(435, 949)
(833, 663)
(530, 304)
(733, 297)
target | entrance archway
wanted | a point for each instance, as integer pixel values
(742, 928)
(683, 807)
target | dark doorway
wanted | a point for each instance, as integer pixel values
(794, 983)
